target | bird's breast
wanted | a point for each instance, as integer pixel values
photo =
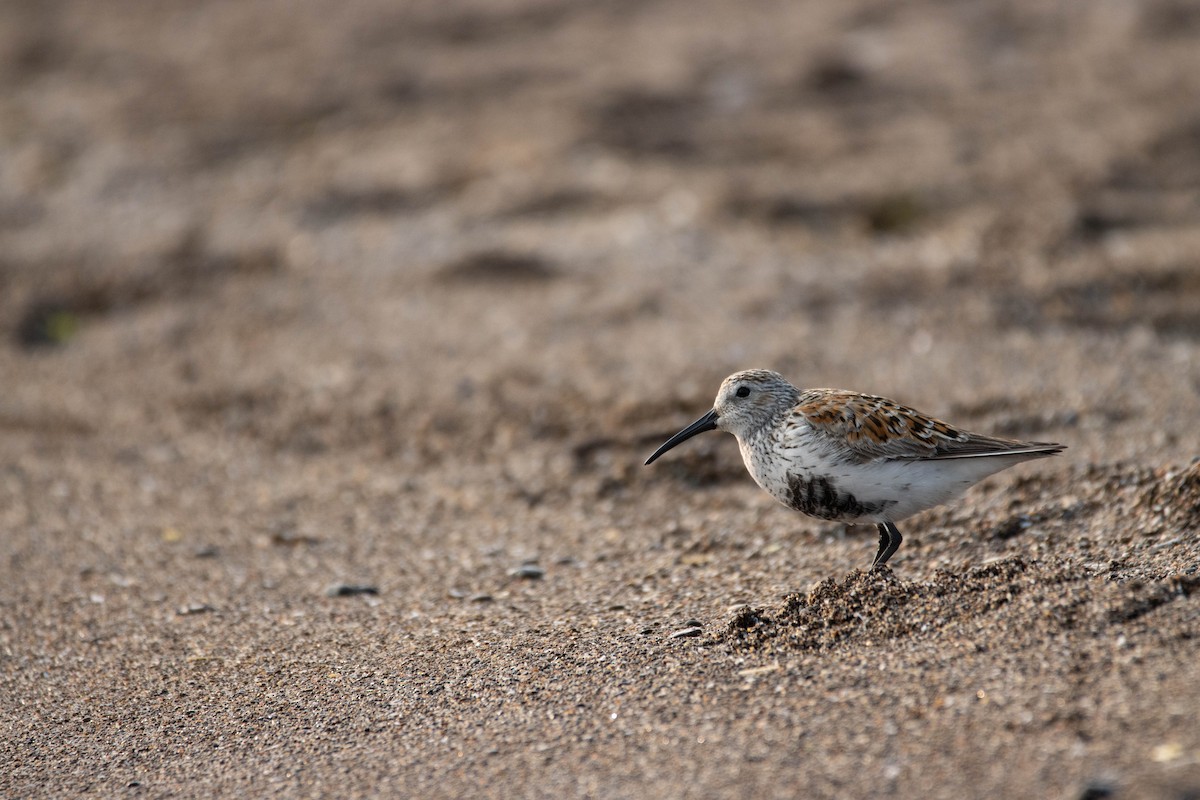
(773, 460)
(798, 473)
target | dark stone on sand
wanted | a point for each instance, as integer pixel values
(349, 589)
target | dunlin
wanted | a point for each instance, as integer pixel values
(851, 457)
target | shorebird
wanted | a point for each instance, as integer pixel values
(851, 457)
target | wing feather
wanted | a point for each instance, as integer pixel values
(875, 428)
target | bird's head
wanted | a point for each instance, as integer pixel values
(746, 401)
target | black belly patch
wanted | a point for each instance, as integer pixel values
(819, 497)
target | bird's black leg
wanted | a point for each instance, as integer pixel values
(889, 543)
(884, 538)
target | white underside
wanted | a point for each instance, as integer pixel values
(900, 488)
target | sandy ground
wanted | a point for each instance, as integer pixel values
(335, 334)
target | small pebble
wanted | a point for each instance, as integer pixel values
(194, 608)
(529, 572)
(482, 597)
(1097, 790)
(695, 630)
(290, 538)
(1166, 752)
(348, 589)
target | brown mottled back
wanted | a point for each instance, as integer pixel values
(877, 428)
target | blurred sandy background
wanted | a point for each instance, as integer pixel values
(307, 297)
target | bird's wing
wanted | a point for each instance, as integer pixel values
(875, 428)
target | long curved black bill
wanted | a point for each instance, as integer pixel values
(706, 423)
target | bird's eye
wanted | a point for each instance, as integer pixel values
(743, 391)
